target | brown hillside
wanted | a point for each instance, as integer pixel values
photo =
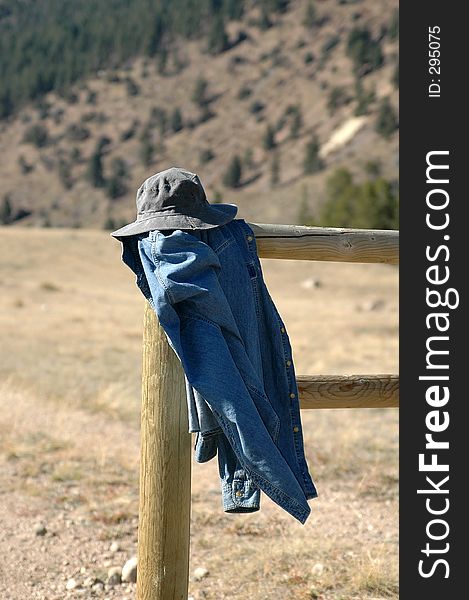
(269, 65)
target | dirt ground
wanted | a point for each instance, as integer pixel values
(70, 364)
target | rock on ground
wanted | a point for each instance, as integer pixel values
(200, 573)
(129, 570)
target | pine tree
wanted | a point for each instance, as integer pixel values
(386, 122)
(337, 98)
(280, 6)
(146, 151)
(275, 169)
(6, 210)
(103, 141)
(162, 62)
(296, 122)
(156, 36)
(364, 51)
(132, 88)
(119, 167)
(6, 104)
(264, 20)
(65, 175)
(95, 170)
(116, 185)
(234, 9)
(312, 161)
(269, 138)
(109, 223)
(373, 168)
(37, 135)
(217, 37)
(176, 120)
(24, 165)
(162, 122)
(310, 18)
(232, 176)
(206, 155)
(363, 99)
(199, 96)
(393, 31)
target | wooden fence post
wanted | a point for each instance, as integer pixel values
(165, 471)
(165, 453)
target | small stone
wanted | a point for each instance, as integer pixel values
(82, 570)
(114, 576)
(114, 547)
(372, 305)
(318, 569)
(71, 584)
(129, 570)
(40, 529)
(311, 283)
(89, 581)
(98, 587)
(200, 573)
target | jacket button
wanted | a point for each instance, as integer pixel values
(282, 329)
(296, 429)
(249, 238)
(239, 494)
(288, 363)
(292, 395)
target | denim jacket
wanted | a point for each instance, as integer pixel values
(208, 292)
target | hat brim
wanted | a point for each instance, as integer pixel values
(211, 216)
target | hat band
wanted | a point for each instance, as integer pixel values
(159, 214)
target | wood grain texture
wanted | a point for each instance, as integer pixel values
(349, 391)
(165, 471)
(326, 243)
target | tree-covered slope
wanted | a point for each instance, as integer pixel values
(49, 44)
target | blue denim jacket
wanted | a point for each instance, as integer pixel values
(208, 291)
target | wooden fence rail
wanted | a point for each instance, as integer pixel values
(327, 243)
(352, 391)
(165, 462)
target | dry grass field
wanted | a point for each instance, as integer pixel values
(70, 363)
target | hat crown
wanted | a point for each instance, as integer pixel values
(173, 190)
(175, 199)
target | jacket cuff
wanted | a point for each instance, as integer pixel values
(240, 496)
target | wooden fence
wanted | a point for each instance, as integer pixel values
(165, 461)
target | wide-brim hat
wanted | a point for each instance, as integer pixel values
(175, 199)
